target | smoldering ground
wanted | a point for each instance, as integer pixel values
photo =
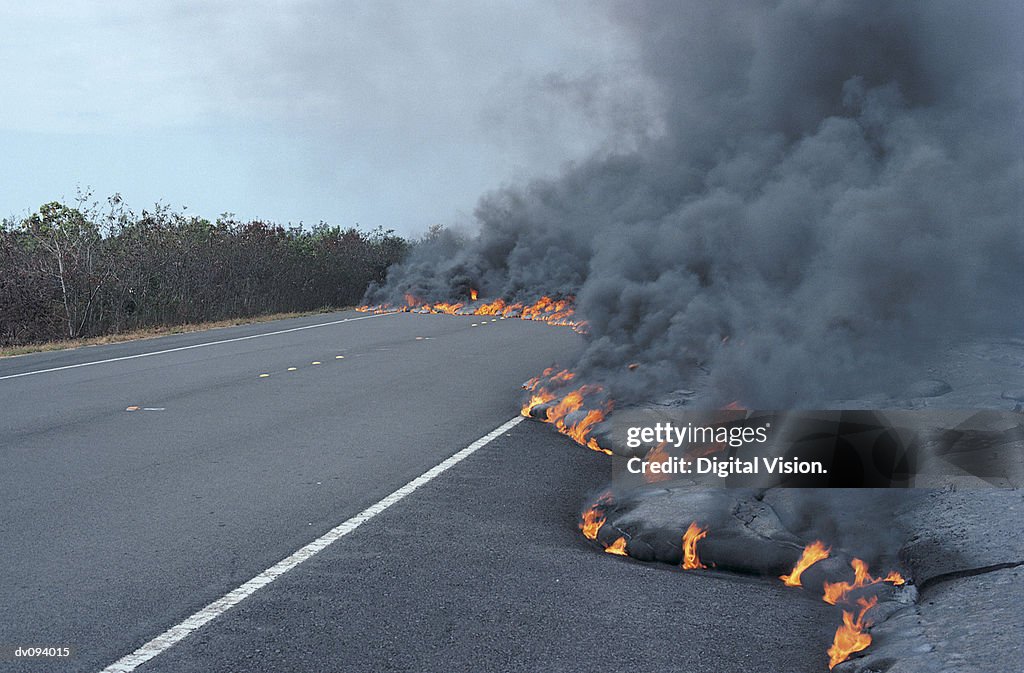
(762, 532)
(834, 192)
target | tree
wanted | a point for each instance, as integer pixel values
(71, 242)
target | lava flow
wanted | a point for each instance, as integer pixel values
(546, 309)
(850, 636)
(576, 410)
(575, 413)
(593, 518)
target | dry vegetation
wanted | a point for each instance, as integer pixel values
(71, 274)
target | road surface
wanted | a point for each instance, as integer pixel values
(119, 525)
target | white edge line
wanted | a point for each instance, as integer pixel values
(176, 634)
(185, 348)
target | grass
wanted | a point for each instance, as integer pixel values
(150, 333)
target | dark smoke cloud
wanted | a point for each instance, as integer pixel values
(837, 190)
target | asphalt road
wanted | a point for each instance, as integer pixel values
(116, 525)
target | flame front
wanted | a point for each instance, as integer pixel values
(591, 523)
(537, 399)
(836, 592)
(895, 579)
(618, 547)
(546, 309)
(693, 534)
(592, 519)
(850, 636)
(591, 400)
(814, 552)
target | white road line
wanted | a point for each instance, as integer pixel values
(185, 348)
(176, 634)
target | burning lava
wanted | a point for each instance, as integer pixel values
(814, 552)
(693, 535)
(837, 592)
(576, 410)
(852, 635)
(546, 309)
(618, 547)
(594, 517)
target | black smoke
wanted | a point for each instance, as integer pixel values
(836, 190)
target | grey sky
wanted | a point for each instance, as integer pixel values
(379, 113)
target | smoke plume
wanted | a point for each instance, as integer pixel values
(834, 191)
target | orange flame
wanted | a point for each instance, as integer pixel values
(693, 534)
(542, 397)
(545, 309)
(442, 307)
(836, 592)
(850, 636)
(618, 547)
(895, 579)
(814, 552)
(580, 431)
(550, 375)
(592, 521)
(496, 307)
(543, 390)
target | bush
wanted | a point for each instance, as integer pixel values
(72, 271)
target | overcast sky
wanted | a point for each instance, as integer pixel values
(385, 113)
